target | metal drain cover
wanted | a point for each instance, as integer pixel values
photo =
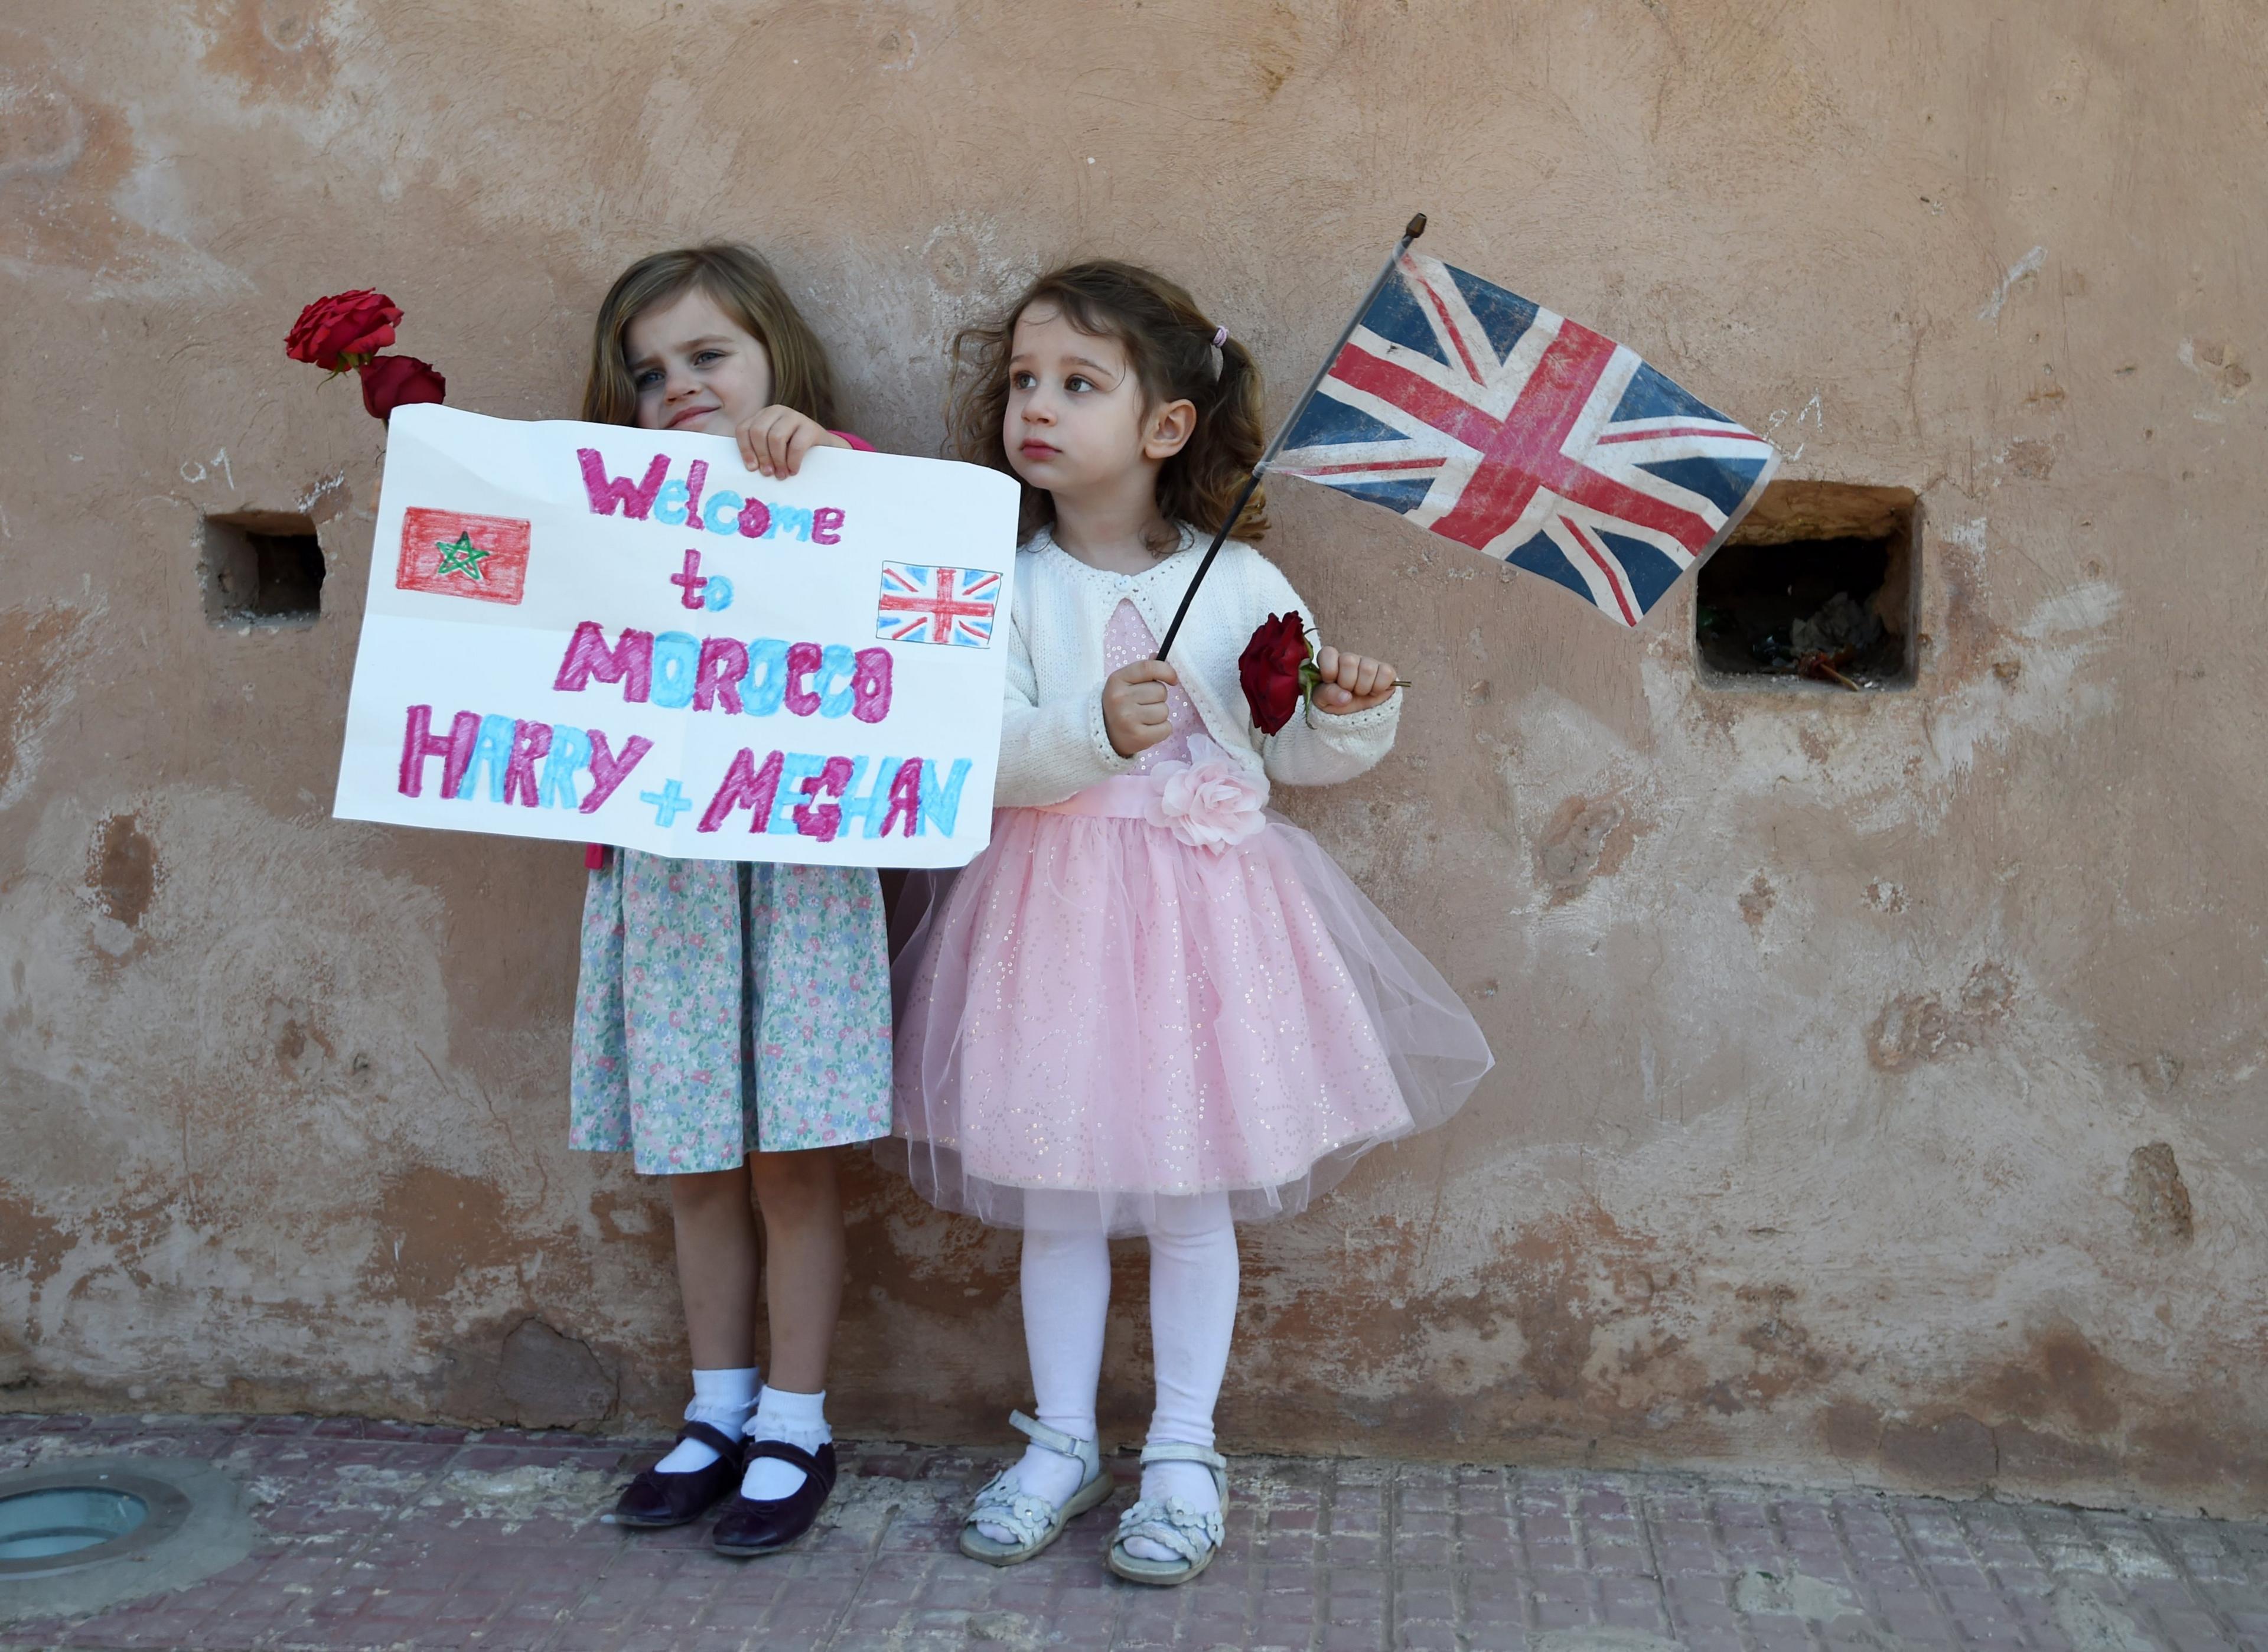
(81, 1534)
(83, 1519)
(34, 1525)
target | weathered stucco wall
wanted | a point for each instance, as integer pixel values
(1881, 1075)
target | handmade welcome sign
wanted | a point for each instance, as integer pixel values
(620, 636)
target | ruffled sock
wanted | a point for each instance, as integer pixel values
(723, 1399)
(798, 1420)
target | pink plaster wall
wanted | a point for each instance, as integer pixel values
(1882, 1075)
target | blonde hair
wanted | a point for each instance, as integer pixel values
(1168, 341)
(747, 290)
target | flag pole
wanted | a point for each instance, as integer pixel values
(1410, 232)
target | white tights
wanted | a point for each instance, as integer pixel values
(1066, 1289)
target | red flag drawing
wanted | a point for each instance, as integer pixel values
(453, 553)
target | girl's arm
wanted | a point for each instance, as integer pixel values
(1317, 748)
(1048, 751)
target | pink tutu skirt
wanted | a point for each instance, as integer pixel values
(1094, 1006)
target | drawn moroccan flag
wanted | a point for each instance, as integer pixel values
(937, 605)
(453, 553)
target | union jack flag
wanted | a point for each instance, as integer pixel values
(1491, 421)
(937, 605)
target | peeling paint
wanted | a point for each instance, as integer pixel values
(2027, 266)
(38, 647)
(2163, 1217)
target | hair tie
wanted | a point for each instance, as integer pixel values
(1220, 337)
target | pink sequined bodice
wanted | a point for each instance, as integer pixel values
(1126, 639)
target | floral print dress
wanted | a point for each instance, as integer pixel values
(727, 1007)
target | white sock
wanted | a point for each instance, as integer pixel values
(799, 1419)
(1066, 1291)
(1191, 1482)
(1193, 1285)
(723, 1399)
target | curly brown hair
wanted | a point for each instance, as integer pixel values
(1169, 341)
(745, 288)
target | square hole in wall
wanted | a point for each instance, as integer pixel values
(1818, 587)
(263, 566)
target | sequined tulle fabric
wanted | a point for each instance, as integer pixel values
(1098, 1007)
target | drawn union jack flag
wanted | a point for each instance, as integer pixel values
(937, 605)
(1492, 421)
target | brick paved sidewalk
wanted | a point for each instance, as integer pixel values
(382, 1536)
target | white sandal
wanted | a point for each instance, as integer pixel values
(1036, 1522)
(1171, 1523)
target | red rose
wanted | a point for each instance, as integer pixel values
(393, 382)
(1275, 670)
(344, 330)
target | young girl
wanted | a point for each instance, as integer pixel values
(1148, 1006)
(733, 1022)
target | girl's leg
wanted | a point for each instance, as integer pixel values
(802, 1209)
(717, 1276)
(1066, 1291)
(1194, 1277)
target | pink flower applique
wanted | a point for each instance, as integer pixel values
(1212, 802)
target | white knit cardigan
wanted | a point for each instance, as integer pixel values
(1052, 740)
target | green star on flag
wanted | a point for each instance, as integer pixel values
(462, 555)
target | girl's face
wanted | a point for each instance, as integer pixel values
(695, 368)
(1076, 417)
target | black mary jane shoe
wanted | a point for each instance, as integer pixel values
(749, 1526)
(656, 1499)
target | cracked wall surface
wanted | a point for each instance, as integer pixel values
(1881, 1075)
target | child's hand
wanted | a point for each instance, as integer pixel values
(1348, 683)
(774, 442)
(1134, 706)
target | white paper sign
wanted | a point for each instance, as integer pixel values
(620, 636)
